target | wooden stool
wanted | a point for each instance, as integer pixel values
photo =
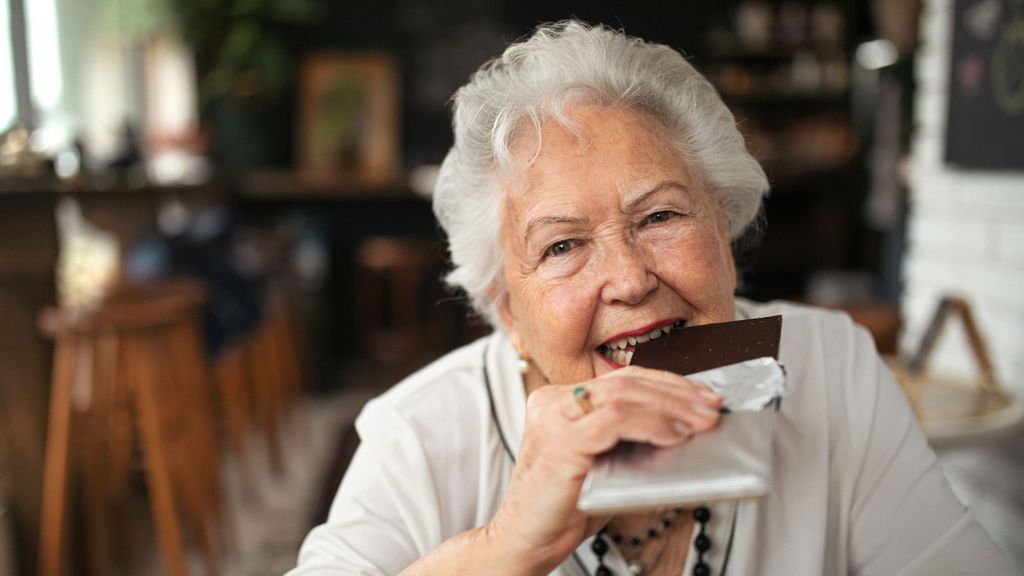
(397, 282)
(232, 375)
(131, 371)
(272, 358)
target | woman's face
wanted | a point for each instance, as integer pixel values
(607, 238)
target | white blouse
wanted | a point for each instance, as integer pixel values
(855, 487)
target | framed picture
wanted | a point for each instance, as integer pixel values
(349, 118)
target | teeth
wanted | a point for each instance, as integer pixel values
(617, 351)
(622, 357)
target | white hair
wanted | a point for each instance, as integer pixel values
(532, 82)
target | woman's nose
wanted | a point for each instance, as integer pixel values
(628, 277)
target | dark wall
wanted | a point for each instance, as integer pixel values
(439, 44)
(815, 212)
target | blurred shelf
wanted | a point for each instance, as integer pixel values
(287, 185)
(130, 182)
(725, 48)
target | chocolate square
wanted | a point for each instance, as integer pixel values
(698, 348)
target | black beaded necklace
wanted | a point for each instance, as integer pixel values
(702, 543)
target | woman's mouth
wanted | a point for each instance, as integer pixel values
(619, 350)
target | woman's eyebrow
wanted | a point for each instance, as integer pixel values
(550, 220)
(640, 200)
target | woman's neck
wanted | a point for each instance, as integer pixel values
(533, 379)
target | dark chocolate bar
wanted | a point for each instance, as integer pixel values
(698, 348)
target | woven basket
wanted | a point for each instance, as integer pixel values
(953, 410)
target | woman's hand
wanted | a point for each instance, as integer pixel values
(538, 521)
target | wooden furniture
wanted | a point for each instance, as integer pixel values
(7, 564)
(28, 252)
(272, 361)
(396, 295)
(953, 410)
(130, 373)
(341, 215)
(28, 249)
(231, 376)
(882, 321)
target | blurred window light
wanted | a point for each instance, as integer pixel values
(67, 164)
(49, 138)
(44, 54)
(876, 54)
(8, 110)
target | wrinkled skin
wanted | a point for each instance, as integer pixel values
(603, 237)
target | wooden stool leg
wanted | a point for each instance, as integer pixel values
(199, 468)
(283, 346)
(275, 348)
(230, 374)
(277, 386)
(232, 377)
(155, 452)
(263, 392)
(289, 342)
(56, 469)
(120, 426)
(199, 375)
(96, 462)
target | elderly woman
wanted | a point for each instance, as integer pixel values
(590, 198)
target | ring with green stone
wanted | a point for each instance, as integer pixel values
(582, 397)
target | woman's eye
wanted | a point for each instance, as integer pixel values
(659, 217)
(560, 247)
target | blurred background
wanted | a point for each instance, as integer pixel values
(216, 240)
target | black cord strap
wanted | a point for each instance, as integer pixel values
(501, 432)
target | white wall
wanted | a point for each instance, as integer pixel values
(966, 228)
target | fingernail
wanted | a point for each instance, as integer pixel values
(681, 428)
(710, 395)
(705, 410)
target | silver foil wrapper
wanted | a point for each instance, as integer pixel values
(732, 461)
(746, 386)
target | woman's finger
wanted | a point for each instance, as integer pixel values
(668, 381)
(621, 420)
(692, 402)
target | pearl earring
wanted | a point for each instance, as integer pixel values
(523, 365)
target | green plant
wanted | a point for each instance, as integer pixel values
(242, 44)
